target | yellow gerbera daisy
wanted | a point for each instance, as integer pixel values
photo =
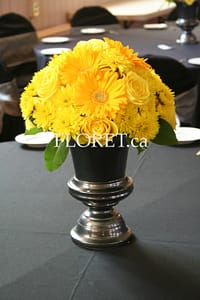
(127, 54)
(99, 93)
(80, 60)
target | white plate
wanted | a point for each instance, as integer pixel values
(164, 47)
(37, 140)
(155, 26)
(52, 51)
(55, 39)
(178, 122)
(194, 61)
(186, 135)
(92, 30)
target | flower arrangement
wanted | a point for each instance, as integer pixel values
(100, 88)
(187, 2)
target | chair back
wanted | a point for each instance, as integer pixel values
(181, 81)
(12, 24)
(17, 40)
(11, 122)
(177, 76)
(93, 15)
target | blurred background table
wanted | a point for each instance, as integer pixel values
(141, 40)
(129, 11)
(39, 261)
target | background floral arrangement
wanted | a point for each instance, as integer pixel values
(99, 87)
(187, 2)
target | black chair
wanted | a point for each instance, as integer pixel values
(17, 40)
(11, 121)
(12, 24)
(182, 82)
(93, 15)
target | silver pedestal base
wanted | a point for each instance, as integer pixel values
(100, 225)
(187, 36)
(93, 231)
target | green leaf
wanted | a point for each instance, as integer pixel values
(33, 130)
(140, 149)
(137, 145)
(55, 154)
(166, 134)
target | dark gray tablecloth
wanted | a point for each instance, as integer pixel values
(141, 40)
(38, 260)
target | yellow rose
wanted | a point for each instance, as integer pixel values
(137, 89)
(46, 82)
(99, 130)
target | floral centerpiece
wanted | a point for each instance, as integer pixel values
(187, 2)
(99, 89)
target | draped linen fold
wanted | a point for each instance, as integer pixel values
(24, 43)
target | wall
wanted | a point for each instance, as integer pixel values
(52, 12)
(72, 6)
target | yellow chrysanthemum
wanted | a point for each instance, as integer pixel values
(43, 115)
(27, 101)
(111, 59)
(139, 121)
(165, 107)
(167, 113)
(67, 122)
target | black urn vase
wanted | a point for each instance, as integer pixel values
(100, 182)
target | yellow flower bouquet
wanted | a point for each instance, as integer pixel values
(99, 89)
(187, 2)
